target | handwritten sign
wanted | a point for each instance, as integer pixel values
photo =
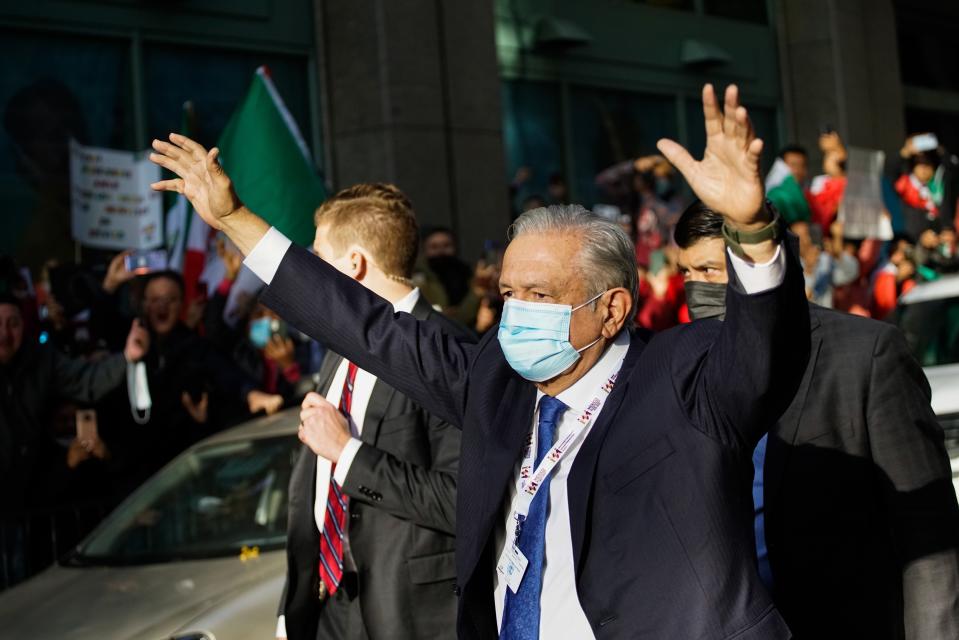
(112, 204)
(862, 211)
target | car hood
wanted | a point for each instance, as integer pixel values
(944, 382)
(148, 602)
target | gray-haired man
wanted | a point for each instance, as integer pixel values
(600, 486)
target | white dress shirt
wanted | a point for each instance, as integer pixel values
(562, 616)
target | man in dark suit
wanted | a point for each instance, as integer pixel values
(601, 485)
(857, 525)
(391, 487)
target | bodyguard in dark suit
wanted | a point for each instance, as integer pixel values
(857, 523)
(642, 526)
(396, 467)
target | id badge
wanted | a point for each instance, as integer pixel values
(512, 566)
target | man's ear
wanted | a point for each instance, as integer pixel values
(357, 263)
(618, 306)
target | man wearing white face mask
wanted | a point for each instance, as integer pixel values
(601, 485)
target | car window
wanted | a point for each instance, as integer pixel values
(211, 501)
(932, 330)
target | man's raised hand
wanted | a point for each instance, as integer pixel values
(202, 180)
(727, 179)
(199, 177)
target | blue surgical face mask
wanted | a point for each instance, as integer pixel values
(534, 337)
(260, 331)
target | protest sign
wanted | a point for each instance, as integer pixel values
(862, 211)
(111, 202)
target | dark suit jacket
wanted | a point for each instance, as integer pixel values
(862, 525)
(659, 499)
(402, 489)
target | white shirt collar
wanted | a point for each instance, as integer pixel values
(579, 395)
(407, 302)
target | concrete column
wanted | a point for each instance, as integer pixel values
(840, 66)
(412, 96)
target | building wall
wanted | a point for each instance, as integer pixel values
(840, 68)
(631, 72)
(116, 74)
(411, 96)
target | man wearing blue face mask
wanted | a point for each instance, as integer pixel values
(600, 489)
(853, 481)
(277, 367)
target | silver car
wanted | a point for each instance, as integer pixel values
(196, 553)
(929, 317)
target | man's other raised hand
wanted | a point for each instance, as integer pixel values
(727, 179)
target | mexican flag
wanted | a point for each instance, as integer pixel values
(265, 155)
(188, 238)
(786, 194)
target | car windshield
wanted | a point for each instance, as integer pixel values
(211, 501)
(932, 330)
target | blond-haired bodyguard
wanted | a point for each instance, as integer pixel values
(372, 497)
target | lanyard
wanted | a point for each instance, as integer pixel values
(530, 480)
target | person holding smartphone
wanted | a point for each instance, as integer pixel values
(33, 377)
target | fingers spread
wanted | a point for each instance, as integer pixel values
(729, 110)
(213, 165)
(711, 113)
(195, 150)
(170, 150)
(167, 162)
(677, 155)
(743, 126)
(754, 151)
(168, 185)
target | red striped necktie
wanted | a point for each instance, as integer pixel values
(337, 504)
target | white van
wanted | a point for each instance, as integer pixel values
(929, 317)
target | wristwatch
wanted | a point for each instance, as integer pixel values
(735, 238)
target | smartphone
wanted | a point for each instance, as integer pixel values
(925, 142)
(87, 425)
(140, 262)
(279, 328)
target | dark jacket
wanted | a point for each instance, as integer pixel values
(659, 501)
(181, 361)
(32, 386)
(402, 489)
(862, 525)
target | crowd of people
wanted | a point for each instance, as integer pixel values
(602, 482)
(74, 337)
(860, 275)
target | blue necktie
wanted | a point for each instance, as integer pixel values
(759, 520)
(521, 611)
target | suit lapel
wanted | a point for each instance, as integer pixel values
(305, 484)
(503, 447)
(783, 433)
(327, 371)
(375, 411)
(580, 482)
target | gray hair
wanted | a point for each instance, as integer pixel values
(607, 258)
